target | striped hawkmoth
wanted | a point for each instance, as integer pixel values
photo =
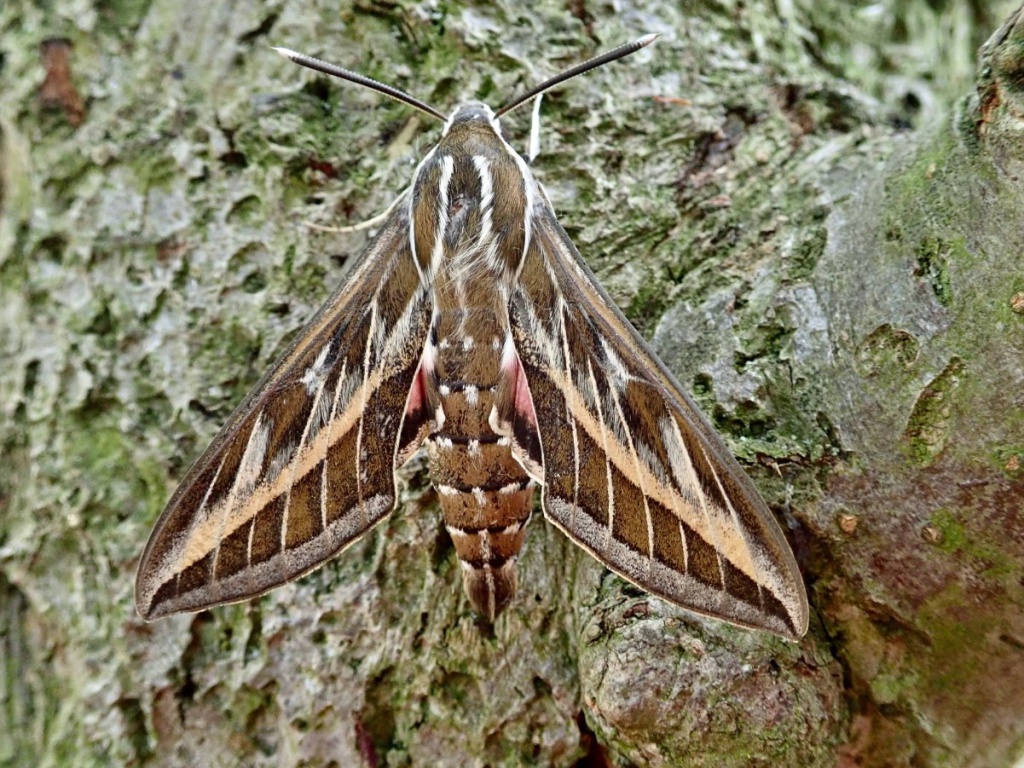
(472, 325)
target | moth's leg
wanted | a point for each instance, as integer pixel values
(534, 148)
(369, 223)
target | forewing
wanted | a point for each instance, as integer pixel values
(305, 465)
(631, 469)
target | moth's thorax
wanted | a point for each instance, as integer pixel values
(470, 203)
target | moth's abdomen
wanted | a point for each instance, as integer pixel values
(486, 500)
(486, 496)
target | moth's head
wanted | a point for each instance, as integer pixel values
(470, 111)
(471, 116)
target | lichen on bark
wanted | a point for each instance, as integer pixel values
(812, 209)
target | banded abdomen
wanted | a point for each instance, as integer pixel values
(486, 496)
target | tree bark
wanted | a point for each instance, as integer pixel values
(797, 204)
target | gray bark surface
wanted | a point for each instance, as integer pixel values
(812, 209)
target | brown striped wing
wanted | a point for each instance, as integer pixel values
(632, 471)
(305, 465)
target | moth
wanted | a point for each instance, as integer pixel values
(472, 326)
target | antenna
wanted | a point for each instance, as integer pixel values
(579, 69)
(353, 77)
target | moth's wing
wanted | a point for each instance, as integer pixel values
(306, 463)
(632, 471)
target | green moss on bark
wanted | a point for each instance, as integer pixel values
(753, 189)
